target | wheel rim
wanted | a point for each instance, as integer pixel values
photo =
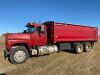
(79, 49)
(19, 56)
(88, 48)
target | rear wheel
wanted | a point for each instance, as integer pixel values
(78, 48)
(87, 47)
(18, 55)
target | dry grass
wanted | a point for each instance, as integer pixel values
(62, 63)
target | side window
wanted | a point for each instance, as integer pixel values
(40, 29)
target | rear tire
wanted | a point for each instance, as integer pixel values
(87, 47)
(78, 48)
(18, 55)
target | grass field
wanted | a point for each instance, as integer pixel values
(62, 63)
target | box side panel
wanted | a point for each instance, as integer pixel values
(68, 33)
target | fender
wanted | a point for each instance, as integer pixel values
(11, 43)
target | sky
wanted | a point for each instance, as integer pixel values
(15, 14)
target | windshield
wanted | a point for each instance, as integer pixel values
(30, 29)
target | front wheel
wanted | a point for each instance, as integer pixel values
(19, 54)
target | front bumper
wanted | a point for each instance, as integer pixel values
(6, 53)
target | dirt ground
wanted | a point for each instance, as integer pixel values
(62, 63)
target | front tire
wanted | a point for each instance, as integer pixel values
(19, 54)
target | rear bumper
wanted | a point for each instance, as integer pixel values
(6, 53)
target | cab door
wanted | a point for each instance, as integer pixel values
(39, 37)
(42, 34)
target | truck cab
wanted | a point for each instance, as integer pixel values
(35, 35)
(38, 34)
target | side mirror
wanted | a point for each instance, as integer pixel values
(42, 28)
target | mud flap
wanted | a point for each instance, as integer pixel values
(6, 53)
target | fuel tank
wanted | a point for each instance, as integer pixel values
(45, 50)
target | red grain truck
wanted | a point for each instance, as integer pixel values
(49, 37)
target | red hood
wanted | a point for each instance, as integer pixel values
(17, 36)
